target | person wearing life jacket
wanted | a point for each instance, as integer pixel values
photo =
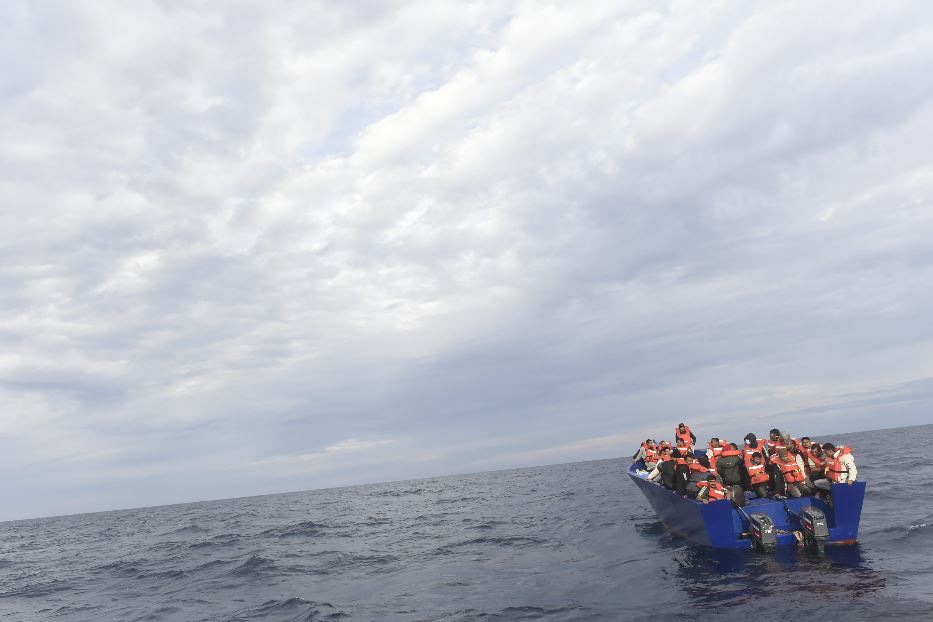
(664, 455)
(752, 446)
(840, 467)
(681, 471)
(758, 477)
(648, 453)
(711, 489)
(683, 447)
(791, 473)
(683, 432)
(812, 458)
(774, 442)
(715, 448)
(729, 465)
(696, 473)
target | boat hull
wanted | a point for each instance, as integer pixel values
(719, 525)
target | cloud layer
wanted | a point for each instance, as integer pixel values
(248, 251)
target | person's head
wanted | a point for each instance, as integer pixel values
(681, 427)
(782, 452)
(711, 477)
(816, 450)
(775, 434)
(751, 440)
(805, 442)
(714, 442)
(649, 442)
(756, 457)
(681, 442)
(666, 451)
(689, 457)
(734, 446)
(829, 448)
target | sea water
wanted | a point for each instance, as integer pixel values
(565, 542)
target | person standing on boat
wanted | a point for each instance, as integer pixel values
(840, 467)
(683, 432)
(729, 465)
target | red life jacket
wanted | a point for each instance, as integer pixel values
(789, 468)
(757, 474)
(684, 449)
(715, 489)
(685, 435)
(696, 467)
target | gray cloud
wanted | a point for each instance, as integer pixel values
(248, 251)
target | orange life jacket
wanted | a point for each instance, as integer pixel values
(651, 454)
(715, 489)
(790, 470)
(685, 435)
(757, 474)
(664, 457)
(773, 446)
(714, 454)
(696, 467)
(836, 471)
(684, 449)
(748, 451)
(817, 462)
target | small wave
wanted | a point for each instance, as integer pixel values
(38, 590)
(505, 541)
(303, 529)
(291, 609)
(256, 565)
(188, 529)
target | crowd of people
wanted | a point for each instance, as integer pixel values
(779, 467)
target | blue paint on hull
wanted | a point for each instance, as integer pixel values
(717, 524)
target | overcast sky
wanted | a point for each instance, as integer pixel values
(253, 247)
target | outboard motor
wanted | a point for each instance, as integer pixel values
(763, 532)
(814, 527)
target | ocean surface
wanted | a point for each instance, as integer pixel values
(566, 542)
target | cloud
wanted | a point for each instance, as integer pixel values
(492, 234)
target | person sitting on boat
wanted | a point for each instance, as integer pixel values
(729, 465)
(840, 467)
(683, 447)
(683, 432)
(791, 473)
(814, 459)
(774, 442)
(648, 453)
(664, 455)
(758, 477)
(752, 446)
(712, 453)
(696, 473)
(711, 489)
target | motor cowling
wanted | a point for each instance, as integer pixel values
(814, 525)
(763, 532)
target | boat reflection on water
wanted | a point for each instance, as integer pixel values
(728, 577)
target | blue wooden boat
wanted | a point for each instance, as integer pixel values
(720, 525)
